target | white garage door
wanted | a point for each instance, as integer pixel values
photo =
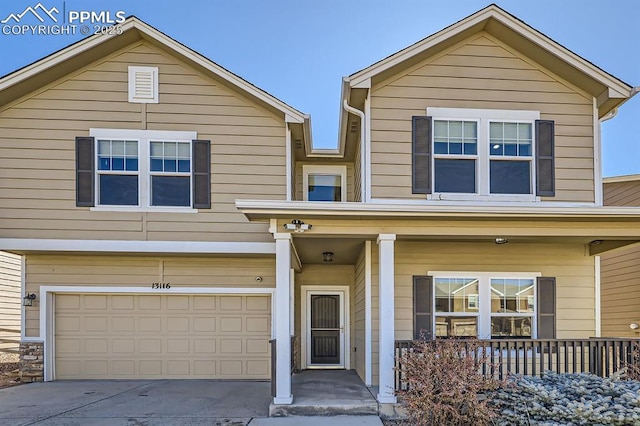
(100, 336)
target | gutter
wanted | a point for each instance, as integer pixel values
(363, 164)
(269, 208)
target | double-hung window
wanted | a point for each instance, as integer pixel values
(118, 172)
(484, 305)
(170, 173)
(476, 154)
(149, 170)
(455, 150)
(510, 157)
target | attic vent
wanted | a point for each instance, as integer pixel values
(353, 128)
(143, 85)
(298, 143)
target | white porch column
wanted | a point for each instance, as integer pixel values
(387, 318)
(282, 318)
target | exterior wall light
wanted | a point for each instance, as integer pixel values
(297, 225)
(28, 299)
(327, 256)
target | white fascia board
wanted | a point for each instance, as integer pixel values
(517, 26)
(149, 31)
(619, 179)
(431, 209)
(221, 72)
(118, 246)
(57, 57)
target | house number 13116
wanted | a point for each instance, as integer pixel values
(160, 285)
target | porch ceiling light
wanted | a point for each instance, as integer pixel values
(297, 225)
(28, 299)
(327, 256)
(501, 240)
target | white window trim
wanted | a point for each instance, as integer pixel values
(323, 169)
(483, 117)
(144, 174)
(484, 293)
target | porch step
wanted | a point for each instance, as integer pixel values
(320, 408)
(327, 393)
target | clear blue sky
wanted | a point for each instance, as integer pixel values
(298, 50)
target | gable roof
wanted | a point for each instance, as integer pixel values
(73, 57)
(609, 91)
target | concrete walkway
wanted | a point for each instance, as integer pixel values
(155, 402)
(327, 392)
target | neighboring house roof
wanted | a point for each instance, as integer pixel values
(609, 91)
(618, 179)
(58, 64)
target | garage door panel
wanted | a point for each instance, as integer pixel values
(149, 303)
(205, 324)
(231, 324)
(149, 324)
(230, 303)
(162, 336)
(97, 302)
(122, 302)
(258, 324)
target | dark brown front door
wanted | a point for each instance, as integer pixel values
(325, 329)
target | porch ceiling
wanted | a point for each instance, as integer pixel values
(345, 250)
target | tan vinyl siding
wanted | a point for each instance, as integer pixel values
(573, 270)
(620, 271)
(485, 74)
(622, 193)
(10, 300)
(321, 275)
(299, 178)
(358, 329)
(620, 292)
(141, 271)
(37, 158)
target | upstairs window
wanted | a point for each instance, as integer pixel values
(467, 154)
(118, 173)
(455, 155)
(170, 173)
(139, 169)
(510, 157)
(324, 183)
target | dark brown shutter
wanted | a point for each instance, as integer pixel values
(422, 307)
(85, 171)
(545, 162)
(201, 174)
(421, 155)
(546, 294)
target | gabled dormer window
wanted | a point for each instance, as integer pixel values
(324, 183)
(467, 154)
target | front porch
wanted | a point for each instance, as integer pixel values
(383, 269)
(327, 393)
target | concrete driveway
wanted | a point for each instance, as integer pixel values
(135, 402)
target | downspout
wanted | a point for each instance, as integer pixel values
(363, 164)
